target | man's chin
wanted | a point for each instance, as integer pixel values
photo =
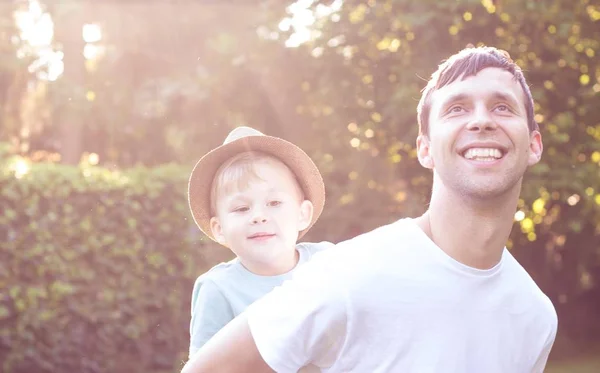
(489, 193)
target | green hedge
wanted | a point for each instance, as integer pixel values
(96, 268)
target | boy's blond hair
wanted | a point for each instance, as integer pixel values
(238, 172)
(241, 140)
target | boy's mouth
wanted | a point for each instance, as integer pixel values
(261, 236)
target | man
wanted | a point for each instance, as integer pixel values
(439, 293)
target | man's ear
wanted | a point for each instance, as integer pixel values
(306, 214)
(217, 230)
(536, 147)
(424, 152)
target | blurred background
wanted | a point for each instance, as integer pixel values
(106, 106)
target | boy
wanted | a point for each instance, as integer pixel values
(256, 195)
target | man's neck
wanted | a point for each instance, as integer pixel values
(472, 232)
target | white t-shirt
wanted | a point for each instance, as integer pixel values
(392, 301)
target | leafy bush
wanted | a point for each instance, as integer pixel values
(96, 268)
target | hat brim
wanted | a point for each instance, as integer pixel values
(293, 157)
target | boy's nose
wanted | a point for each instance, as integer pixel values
(259, 217)
(257, 220)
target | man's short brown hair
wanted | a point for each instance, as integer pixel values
(466, 63)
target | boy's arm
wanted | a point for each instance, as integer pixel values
(231, 350)
(210, 313)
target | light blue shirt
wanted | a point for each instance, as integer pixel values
(227, 289)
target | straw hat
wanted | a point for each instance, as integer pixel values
(243, 139)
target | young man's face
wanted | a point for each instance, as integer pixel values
(260, 222)
(479, 143)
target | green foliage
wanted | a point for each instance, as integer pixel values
(175, 78)
(96, 268)
(373, 59)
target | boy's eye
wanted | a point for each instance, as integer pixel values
(274, 203)
(240, 209)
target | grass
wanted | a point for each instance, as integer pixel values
(588, 362)
(589, 365)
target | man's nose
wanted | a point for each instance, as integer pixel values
(481, 121)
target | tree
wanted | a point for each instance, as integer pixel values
(70, 103)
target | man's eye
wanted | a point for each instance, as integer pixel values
(502, 107)
(274, 203)
(456, 109)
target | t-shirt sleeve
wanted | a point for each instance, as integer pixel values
(542, 359)
(303, 321)
(210, 312)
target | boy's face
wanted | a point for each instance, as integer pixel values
(260, 221)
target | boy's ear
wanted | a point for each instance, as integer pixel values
(306, 214)
(217, 230)
(424, 152)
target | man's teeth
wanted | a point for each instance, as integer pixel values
(483, 154)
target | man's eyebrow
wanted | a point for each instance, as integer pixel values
(454, 98)
(501, 96)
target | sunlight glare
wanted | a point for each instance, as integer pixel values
(37, 28)
(303, 19)
(92, 52)
(285, 24)
(91, 33)
(37, 31)
(519, 215)
(21, 168)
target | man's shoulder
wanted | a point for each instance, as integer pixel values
(545, 313)
(383, 235)
(354, 253)
(530, 290)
